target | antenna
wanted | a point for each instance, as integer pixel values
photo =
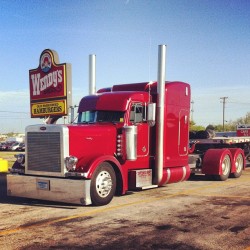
(192, 110)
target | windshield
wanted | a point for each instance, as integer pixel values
(100, 116)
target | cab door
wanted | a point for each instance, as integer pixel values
(138, 118)
(183, 132)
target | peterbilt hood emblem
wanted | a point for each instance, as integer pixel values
(43, 128)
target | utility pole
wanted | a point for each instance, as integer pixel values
(224, 103)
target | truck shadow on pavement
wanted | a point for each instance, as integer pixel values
(4, 199)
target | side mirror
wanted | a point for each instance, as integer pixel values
(151, 114)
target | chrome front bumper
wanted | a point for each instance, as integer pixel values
(51, 189)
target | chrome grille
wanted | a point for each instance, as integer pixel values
(44, 152)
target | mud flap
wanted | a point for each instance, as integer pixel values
(3, 186)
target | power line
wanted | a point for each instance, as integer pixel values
(14, 112)
(246, 103)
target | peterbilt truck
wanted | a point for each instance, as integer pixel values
(127, 137)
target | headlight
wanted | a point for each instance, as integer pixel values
(71, 163)
(20, 158)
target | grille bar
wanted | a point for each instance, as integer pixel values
(44, 151)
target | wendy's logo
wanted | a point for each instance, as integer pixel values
(45, 62)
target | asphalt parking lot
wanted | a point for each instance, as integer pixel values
(196, 214)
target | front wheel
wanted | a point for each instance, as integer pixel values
(103, 184)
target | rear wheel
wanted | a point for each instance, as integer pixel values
(225, 168)
(239, 165)
(103, 184)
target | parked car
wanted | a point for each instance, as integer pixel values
(21, 147)
(3, 146)
(13, 146)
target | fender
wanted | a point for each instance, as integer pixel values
(96, 162)
(192, 148)
(212, 161)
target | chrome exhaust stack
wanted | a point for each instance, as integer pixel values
(160, 113)
(92, 74)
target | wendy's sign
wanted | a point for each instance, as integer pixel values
(50, 86)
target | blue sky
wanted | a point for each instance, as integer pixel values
(208, 46)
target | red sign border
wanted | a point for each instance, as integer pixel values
(67, 86)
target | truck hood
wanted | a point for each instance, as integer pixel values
(89, 141)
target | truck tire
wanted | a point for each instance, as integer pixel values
(225, 167)
(239, 162)
(103, 184)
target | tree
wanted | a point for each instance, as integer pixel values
(244, 120)
(194, 127)
(11, 134)
(229, 126)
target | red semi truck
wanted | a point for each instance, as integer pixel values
(128, 137)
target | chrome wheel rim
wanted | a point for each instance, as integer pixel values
(103, 184)
(239, 163)
(226, 164)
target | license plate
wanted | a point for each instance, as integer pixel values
(43, 184)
